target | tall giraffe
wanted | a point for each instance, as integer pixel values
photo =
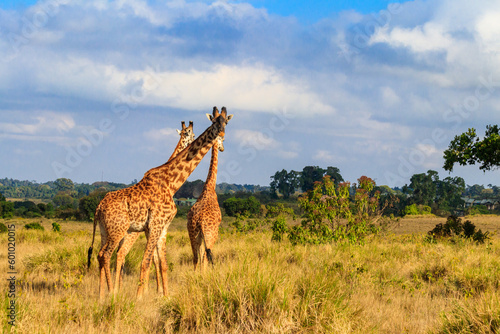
(149, 206)
(204, 217)
(186, 137)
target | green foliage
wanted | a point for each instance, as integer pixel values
(414, 210)
(242, 206)
(88, 204)
(477, 210)
(330, 215)
(279, 228)
(424, 187)
(468, 149)
(277, 209)
(34, 226)
(56, 227)
(27, 209)
(64, 200)
(6, 209)
(285, 182)
(455, 228)
(3, 228)
(64, 185)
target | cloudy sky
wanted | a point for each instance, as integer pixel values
(94, 89)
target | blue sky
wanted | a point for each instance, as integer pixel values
(306, 11)
(96, 88)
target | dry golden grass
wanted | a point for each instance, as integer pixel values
(394, 283)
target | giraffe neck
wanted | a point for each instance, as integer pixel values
(212, 172)
(178, 149)
(172, 175)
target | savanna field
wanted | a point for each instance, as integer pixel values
(397, 281)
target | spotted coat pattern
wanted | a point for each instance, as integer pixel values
(148, 206)
(205, 217)
(186, 138)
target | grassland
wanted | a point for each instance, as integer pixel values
(395, 282)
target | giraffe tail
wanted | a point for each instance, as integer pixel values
(91, 248)
(208, 251)
(209, 256)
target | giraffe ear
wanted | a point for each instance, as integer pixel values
(229, 117)
(178, 131)
(210, 117)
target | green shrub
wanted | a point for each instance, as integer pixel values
(332, 215)
(56, 227)
(477, 210)
(279, 228)
(34, 226)
(3, 228)
(242, 206)
(455, 227)
(414, 210)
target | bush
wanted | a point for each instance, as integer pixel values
(34, 226)
(414, 210)
(477, 210)
(88, 205)
(3, 228)
(330, 215)
(279, 228)
(455, 227)
(56, 227)
(243, 206)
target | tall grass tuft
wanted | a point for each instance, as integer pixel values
(478, 315)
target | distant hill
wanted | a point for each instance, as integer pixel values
(12, 188)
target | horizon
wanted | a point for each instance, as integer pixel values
(95, 90)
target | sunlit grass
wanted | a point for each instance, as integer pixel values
(391, 284)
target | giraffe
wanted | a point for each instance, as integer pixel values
(204, 217)
(186, 138)
(149, 206)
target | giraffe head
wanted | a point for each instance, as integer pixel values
(221, 118)
(215, 114)
(187, 134)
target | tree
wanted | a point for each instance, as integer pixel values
(88, 204)
(424, 187)
(329, 214)
(468, 149)
(247, 206)
(63, 200)
(309, 175)
(284, 182)
(449, 192)
(63, 185)
(334, 174)
(474, 191)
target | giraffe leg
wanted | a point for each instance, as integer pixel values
(102, 274)
(156, 260)
(125, 246)
(162, 252)
(151, 245)
(104, 258)
(195, 254)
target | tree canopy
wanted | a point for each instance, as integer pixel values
(468, 149)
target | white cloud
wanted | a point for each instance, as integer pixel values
(389, 96)
(165, 134)
(45, 123)
(488, 28)
(429, 37)
(325, 156)
(258, 140)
